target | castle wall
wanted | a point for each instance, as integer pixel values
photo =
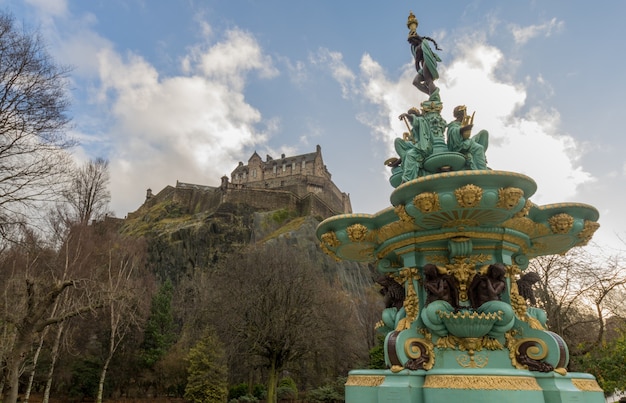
(263, 199)
(300, 183)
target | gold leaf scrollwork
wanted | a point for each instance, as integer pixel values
(509, 197)
(473, 360)
(481, 382)
(365, 380)
(525, 210)
(427, 202)
(402, 214)
(411, 302)
(357, 232)
(587, 385)
(329, 240)
(464, 270)
(468, 195)
(527, 353)
(587, 232)
(421, 354)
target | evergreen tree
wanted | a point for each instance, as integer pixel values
(159, 333)
(207, 380)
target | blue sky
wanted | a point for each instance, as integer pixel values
(184, 90)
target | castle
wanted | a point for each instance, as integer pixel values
(299, 183)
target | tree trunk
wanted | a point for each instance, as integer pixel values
(272, 382)
(35, 359)
(54, 356)
(103, 375)
(16, 359)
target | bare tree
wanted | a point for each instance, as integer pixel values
(280, 311)
(36, 278)
(88, 195)
(33, 117)
(125, 297)
(579, 290)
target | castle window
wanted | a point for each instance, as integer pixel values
(274, 169)
(293, 166)
(303, 164)
(284, 167)
(254, 173)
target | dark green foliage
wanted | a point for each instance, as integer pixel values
(287, 389)
(236, 391)
(325, 393)
(159, 332)
(377, 355)
(239, 392)
(85, 378)
(331, 392)
(207, 381)
(607, 364)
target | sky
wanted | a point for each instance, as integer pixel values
(183, 90)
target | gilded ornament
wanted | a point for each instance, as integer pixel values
(329, 252)
(402, 214)
(427, 202)
(481, 382)
(561, 223)
(525, 210)
(411, 305)
(357, 232)
(589, 385)
(518, 303)
(421, 353)
(365, 380)
(461, 223)
(528, 353)
(407, 276)
(411, 24)
(587, 232)
(330, 239)
(464, 269)
(473, 361)
(468, 196)
(509, 197)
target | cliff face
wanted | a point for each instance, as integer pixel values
(180, 240)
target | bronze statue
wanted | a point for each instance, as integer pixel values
(392, 292)
(525, 287)
(439, 287)
(425, 59)
(489, 286)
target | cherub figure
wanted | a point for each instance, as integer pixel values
(488, 287)
(439, 287)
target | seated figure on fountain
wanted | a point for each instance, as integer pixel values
(485, 293)
(459, 140)
(441, 295)
(415, 146)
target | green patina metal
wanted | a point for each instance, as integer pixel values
(457, 239)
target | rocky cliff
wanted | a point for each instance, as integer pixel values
(180, 240)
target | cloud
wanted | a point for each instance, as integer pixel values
(49, 7)
(339, 70)
(189, 126)
(524, 34)
(531, 143)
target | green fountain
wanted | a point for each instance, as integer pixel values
(452, 252)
